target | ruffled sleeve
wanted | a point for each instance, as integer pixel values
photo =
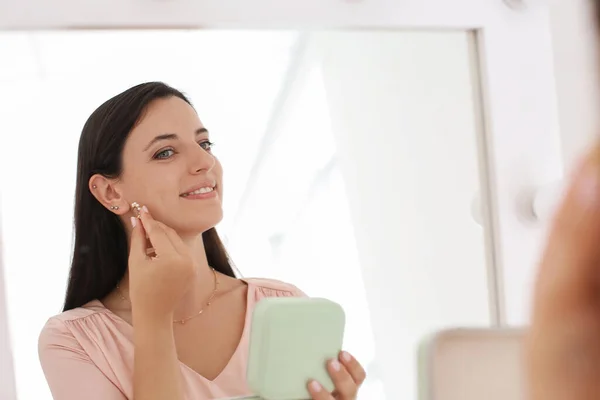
(274, 288)
(69, 370)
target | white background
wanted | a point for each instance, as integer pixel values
(522, 151)
(574, 38)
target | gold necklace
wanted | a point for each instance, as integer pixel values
(184, 320)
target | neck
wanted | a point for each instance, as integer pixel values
(203, 285)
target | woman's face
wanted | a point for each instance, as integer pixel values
(168, 167)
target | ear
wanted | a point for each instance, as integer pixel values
(108, 193)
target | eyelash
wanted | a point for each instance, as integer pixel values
(202, 143)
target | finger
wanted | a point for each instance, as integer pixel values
(569, 274)
(158, 238)
(345, 387)
(318, 392)
(137, 246)
(174, 238)
(356, 371)
(563, 343)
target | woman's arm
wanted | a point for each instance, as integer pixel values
(157, 373)
(70, 372)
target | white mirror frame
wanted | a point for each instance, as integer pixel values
(521, 149)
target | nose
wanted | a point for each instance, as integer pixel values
(201, 160)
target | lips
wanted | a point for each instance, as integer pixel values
(203, 188)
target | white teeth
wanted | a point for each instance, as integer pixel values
(199, 191)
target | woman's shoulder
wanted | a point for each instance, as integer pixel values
(274, 288)
(67, 324)
(90, 308)
(84, 342)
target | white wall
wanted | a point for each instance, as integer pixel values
(407, 138)
(7, 386)
(575, 48)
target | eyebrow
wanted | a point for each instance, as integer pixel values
(171, 136)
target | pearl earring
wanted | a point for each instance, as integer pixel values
(114, 207)
(137, 209)
(94, 187)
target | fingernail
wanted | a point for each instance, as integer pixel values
(315, 386)
(346, 356)
(145, 209)
(133, 221)
(335, 364)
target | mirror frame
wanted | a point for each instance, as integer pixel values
(521, 147)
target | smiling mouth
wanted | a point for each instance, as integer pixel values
(202, 190)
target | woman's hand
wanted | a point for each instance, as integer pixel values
(157, 284)
(347, 375)
(563, 343)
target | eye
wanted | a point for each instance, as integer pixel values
(206, 145)
(164, 154)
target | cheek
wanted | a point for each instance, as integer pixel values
(150, 188)
(162, 205)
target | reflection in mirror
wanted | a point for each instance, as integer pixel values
(350, 166)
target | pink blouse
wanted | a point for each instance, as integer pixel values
(87, 353)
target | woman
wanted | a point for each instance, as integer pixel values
(149, 272)
(563, 344)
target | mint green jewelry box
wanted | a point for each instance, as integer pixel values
(291, 340)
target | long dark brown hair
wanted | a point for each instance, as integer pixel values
(101, 249)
